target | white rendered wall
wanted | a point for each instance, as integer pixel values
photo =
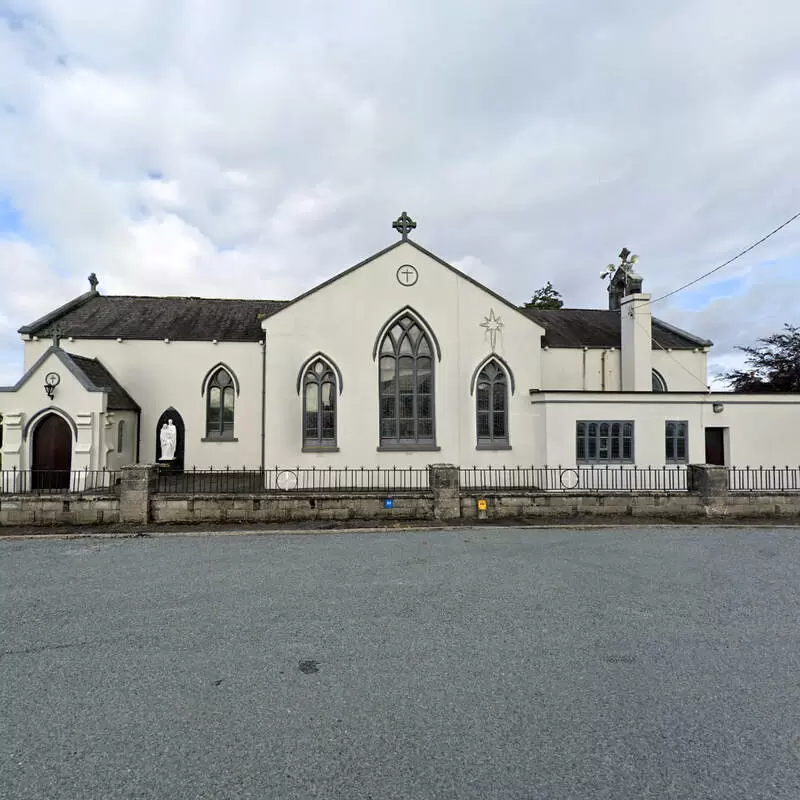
(578, 369)
(158, 375)
(760, 427)
(116, 459)
(84, 409)
(343, 319)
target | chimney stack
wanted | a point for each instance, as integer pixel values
(636, 323)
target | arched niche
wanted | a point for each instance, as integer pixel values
(176, 464)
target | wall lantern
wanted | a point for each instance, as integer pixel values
(718, 407)
(51, 380)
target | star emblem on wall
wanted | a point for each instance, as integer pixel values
(493, 325)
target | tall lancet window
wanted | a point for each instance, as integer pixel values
(491, 405)
(219, 405)
(406, 386)
(319, 406)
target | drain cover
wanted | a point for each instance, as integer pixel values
(308, 667)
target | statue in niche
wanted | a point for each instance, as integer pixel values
(169, 440)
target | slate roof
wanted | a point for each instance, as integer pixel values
(589, 327)
(101, 378)
(177, 318)
(203, 319)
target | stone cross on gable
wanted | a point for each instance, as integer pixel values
(93, 282)
(404, 225)
(56, 333)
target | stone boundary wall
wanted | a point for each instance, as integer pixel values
(667, 505)
(58, 509)
(290, 507)
(138, 503)
(18, 510)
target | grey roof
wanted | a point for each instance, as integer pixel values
(95, 316)
(90, 373)
(178, 318)
(589, 327)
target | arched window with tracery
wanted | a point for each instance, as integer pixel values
(659, 384)
(491, 406)
(220, 393)
(319, 406)
(406, 386)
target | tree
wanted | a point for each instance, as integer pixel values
(773, 364)
(546, 297)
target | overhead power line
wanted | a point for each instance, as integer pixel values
(729, 261)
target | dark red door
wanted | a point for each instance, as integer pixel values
(52, 453)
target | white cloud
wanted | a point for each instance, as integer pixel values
(281, 141)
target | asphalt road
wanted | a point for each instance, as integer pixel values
(476, 663)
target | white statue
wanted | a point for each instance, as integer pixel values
(169, 440)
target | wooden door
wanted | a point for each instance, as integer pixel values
(715, 446)
(52, 453)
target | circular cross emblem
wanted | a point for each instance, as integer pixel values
(407, 275)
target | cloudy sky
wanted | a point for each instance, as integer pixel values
(252, 148)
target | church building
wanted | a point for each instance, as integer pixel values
(400, 360)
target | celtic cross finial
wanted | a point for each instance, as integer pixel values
(56, 333)
(93, 282)
(404, 225)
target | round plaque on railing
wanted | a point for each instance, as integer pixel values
(287, 480)
(569, 478)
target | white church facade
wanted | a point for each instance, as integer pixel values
(400, 360)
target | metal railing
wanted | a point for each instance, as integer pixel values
(391, 480)
(764, 479)
(39, 481)
(295, 479)
(584, 478)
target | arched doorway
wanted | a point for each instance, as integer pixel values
(176, 463)
(52, 453)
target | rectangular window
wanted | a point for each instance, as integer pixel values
(676, 441)
(604, 441)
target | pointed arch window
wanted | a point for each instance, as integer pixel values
(121, 436)
(491, 406)
(220, 394)
(319, 406)
(659, 384)
(406, 386)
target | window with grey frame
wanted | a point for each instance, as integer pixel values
(406, 386)
(604, 442)
(121, 436)
(319, 406)
(676, 441)
(220, 405)
(491, 406)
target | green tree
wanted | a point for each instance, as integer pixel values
(546, 297)
(772, 364)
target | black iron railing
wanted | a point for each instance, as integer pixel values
(584, 478)
(295, 479)
(764, 479)
(49, 481)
